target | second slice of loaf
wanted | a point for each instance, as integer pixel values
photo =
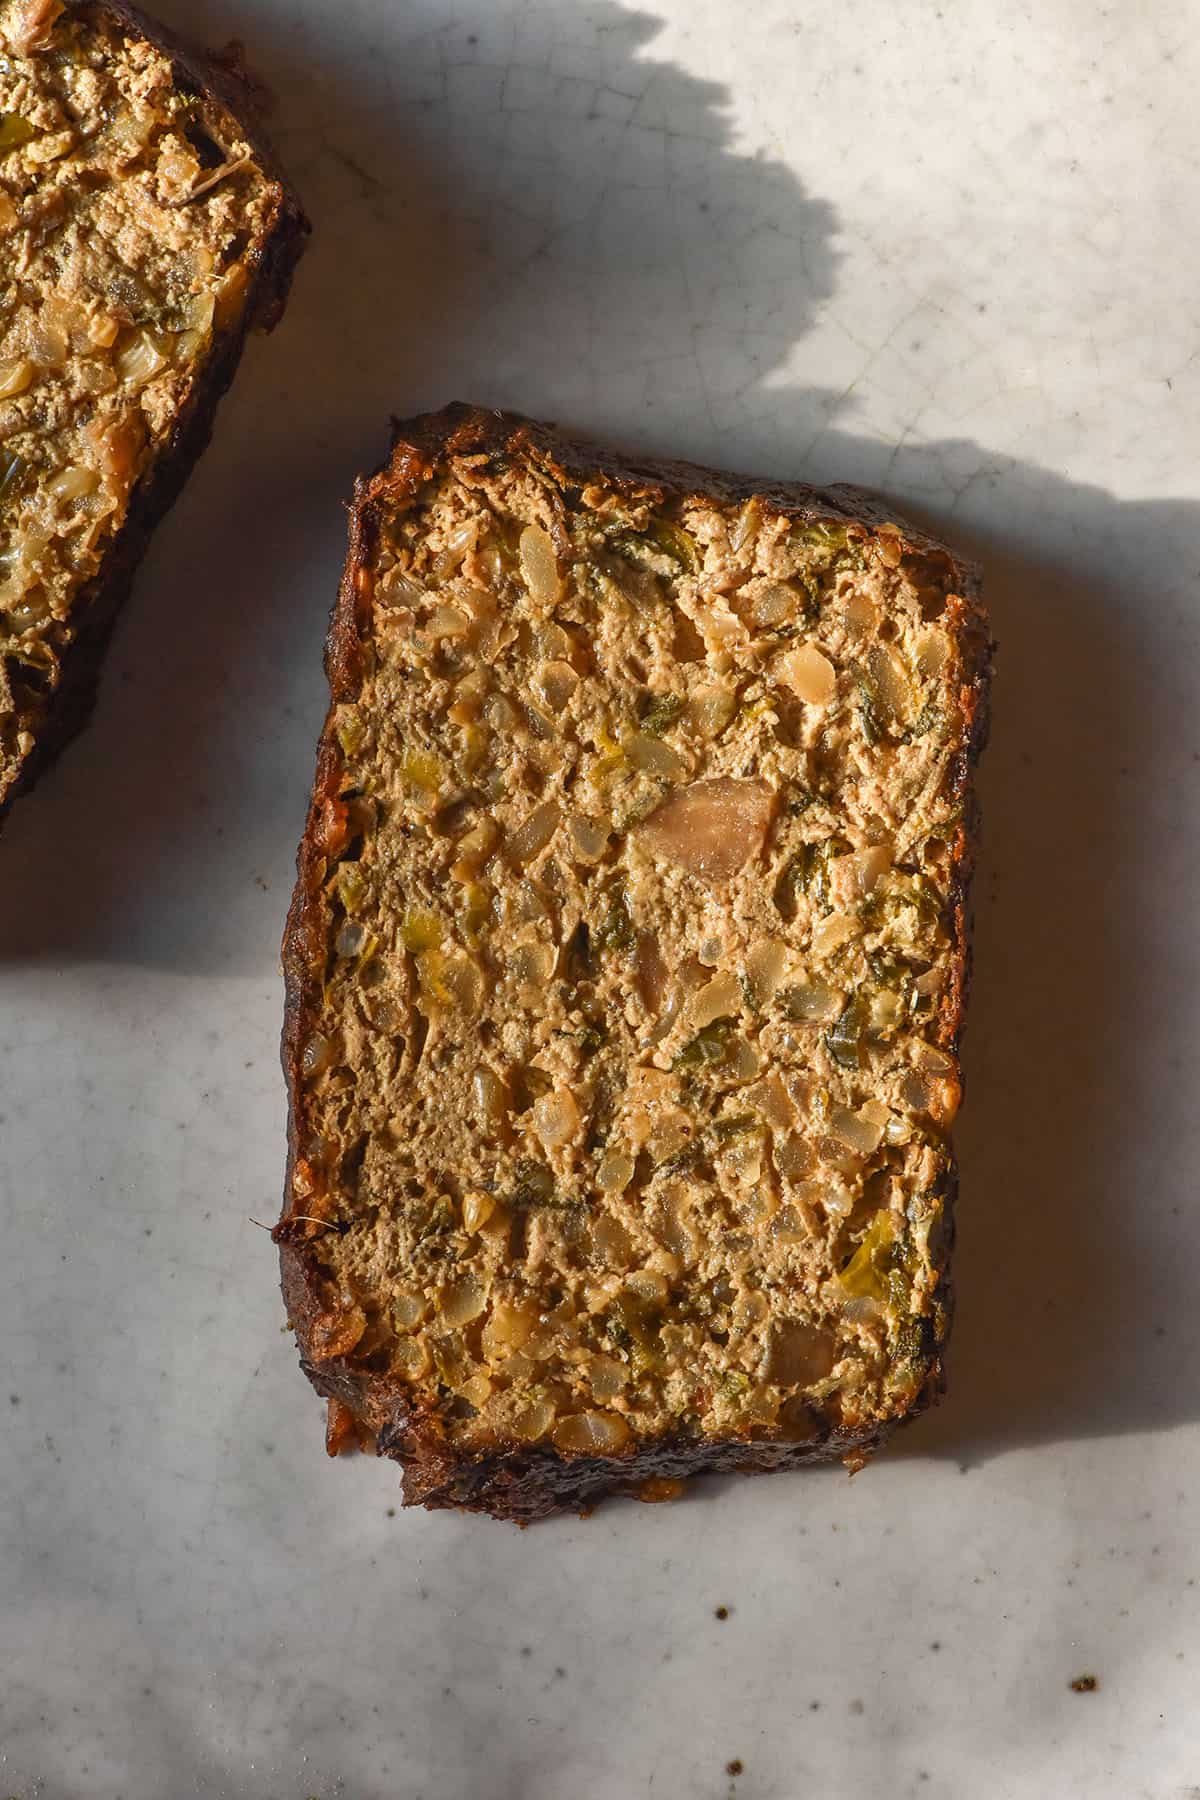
(144, 230)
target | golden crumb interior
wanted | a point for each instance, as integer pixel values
(624, 1112)
(129, 211)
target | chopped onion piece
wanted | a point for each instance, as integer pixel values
(766, 963)
(831, 933)
(809, 674)
(855, 1130)
(554, 684)
(588, 839)
(15, 377)
(711, 710)
(654, 757)
(890, 680)
(556, 1118)
(140, 360)
(74, 484)
(720, 997)
(461, 1302)
(615, 1172)
(532, 836)
(591, 1434)
(539, 565)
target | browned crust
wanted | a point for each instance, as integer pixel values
(227, 91)
(520, 1483)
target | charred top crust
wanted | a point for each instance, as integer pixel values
(423, 442)
(524, 1483)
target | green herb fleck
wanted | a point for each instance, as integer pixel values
(929, 717)
(869, 711)
(439, 1220)
(662, 543)
(683, 1159)
(735, 1125)
(925, 897)
(888, 969)
(911, 1341)
(634, 1327)
(533, 1185)
(661, 714)
(590, 1038)
(674, 542)
(617, 1332)
(616, 932)
(811, 613)
(821, 534)
(707, 1047)
(808, 872)
(833, 542)
(646, 798)
(844, 1037)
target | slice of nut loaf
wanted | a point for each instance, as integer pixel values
(143, 231)
(625, 971)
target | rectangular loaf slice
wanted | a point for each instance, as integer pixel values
(143, 231)
(625, 971)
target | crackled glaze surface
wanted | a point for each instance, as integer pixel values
(954, 260)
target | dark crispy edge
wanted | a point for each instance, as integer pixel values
(228, 94)
(523, 1483)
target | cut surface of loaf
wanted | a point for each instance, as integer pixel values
(143, 231)
(625, 971)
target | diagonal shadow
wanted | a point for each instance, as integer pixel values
(449, 242)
